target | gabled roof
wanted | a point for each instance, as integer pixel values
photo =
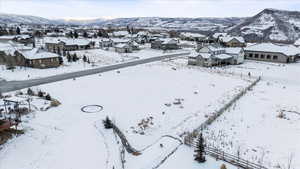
(233, 50)
(289, 50)
(37, 53)
(67, 41)
(230, 38)
(217, 35)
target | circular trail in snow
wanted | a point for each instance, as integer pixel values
(91, 109)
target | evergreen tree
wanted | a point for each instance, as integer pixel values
(107, 123)
(30, 92)
(40, 94)
(95, 35)
(85, 35)
(48, 97)
(200, 150)
(74, 58)
(84, 58)
(69, 57)
(128, 29)
(61, 61)
(70, 34)
(75, 35)
(18, 31)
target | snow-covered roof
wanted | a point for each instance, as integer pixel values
(122, 45)
(10, 47)
(217, 35)
(223, 56)
(120, 33)
(67, 41)
(205, 55)
(289, 50)
(117, 40)
(37, 53)
(169, 41)
(10, 37)
(194, 35)
(7, 48)
(233, 50)
(230, 38)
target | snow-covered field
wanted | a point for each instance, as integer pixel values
(253, 126)
(97, 57)
(167, 97)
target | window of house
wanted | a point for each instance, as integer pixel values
(268, 56)
(256, 55)
(262, 56)
(275, 57)
(250, 55)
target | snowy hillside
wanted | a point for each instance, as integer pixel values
(270, 24)
(25, 19)
(202, 24)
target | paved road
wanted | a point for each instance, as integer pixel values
(8, 86)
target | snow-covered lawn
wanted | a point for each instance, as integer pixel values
(97, 57)
(253, 125)
(166, 97)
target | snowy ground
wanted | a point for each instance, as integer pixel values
(175, 97)
(253, 126)
(97, 57)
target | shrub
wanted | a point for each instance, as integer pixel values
(55, 103)
(48, 97)
(223, 166)
(40, 94)
(30, 92)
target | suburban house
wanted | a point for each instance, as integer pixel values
(123, 48)
(218, 35)
(24, 39)
(120, 34)
(165, 44)
(232, 41)
(67, 44)
(271, 52)
(35, 58)
(106, 43)
(38, 58)
(213, 55)
(192, 36)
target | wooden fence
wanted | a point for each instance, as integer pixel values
(232, 159)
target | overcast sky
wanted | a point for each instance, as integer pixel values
(88, 9)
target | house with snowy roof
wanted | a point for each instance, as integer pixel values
(67, 44)
(271, 52)
(232, 41)
(215, 55)
(192, 36)
(12, 55)
(123, 48)
(165, 44)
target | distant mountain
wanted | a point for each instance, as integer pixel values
(81, 22)
(196, 24)
(25, 19)
(270, 24)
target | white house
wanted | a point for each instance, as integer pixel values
(215, 55)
